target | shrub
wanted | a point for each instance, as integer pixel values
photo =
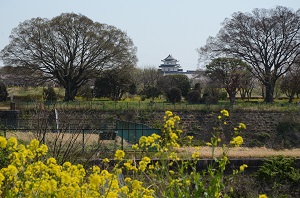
(174, 95)
(193, 96)
(279, 176)
(132, 89)
(223, 95)
(49, 94)
(151, 92)
(3, 92)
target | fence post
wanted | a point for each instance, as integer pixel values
(82, 140)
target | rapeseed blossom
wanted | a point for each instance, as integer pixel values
(3, 142)
(242, 126)
(119, 155)
(237, 141)
(242, 167)
(225, 113)
(26, 176)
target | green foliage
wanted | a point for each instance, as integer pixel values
(174, 95)
(3, 92)
(193, 96)
(211, 95)
(151, 92)
(132, 89)
(49, 94)
(86, 92)
(223, 95)
(279, 176)
(178, 80)
(112, 84)
(4, 161)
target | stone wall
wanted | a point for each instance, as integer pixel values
(261, 125)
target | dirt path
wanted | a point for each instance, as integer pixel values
(243, 152)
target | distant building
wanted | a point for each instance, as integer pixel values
(170, 66)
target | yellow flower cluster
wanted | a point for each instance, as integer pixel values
(225, 113)
(242, 126)
(171, 130)
(119, 155)
(28, 176)
(148, 142)
(242, 167)
(237, 141)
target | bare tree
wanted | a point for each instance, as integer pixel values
(69, 48)
(267, 39)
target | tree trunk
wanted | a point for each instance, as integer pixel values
(70, 92)
(269, 92)
(291, 97)
(232, 99)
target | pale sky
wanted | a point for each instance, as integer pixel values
(157, 27)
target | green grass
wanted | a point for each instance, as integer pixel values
(34, 94)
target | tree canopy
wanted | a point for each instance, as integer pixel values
(70, 49)
(113, 83)
(229, 73)
(267, 39)
(180, 81)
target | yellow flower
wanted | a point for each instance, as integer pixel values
(219, 117)
(237, 141)
(177, 118)
(263, 196)
(169, 113)
(242, 126)
(105, 160)
(51, 160)
(242, 167)
(12, 143)
(135, 147)
(224, 113)
(173, 156)
(3, 142)
(190, 137)
(119, 155)
(195, 155)
(225, 123)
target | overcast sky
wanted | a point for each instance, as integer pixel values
(157, 27)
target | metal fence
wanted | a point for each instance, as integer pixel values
(122, 134)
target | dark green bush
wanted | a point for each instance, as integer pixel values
(174, 95)
(150, 92)
(223, 95)
(193, 96)
(49, 94)
(3, 92)
(279, 176)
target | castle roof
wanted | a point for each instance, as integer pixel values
(169, 58)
